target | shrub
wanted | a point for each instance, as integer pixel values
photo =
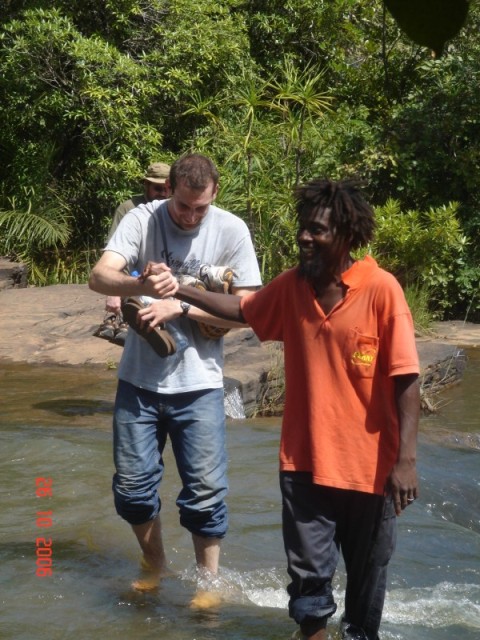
(427, 251)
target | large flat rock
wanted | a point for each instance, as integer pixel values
(55, 325)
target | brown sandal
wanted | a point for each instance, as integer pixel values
(218, 280)
(158, 338)
(108, 327)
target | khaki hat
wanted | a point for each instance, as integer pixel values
(157, 172)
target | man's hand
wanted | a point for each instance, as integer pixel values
(113, 304)
(402, 484)
(153, 269)
(159, 278)
(108, 277)
(157, 313)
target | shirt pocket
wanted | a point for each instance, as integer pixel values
(360, 354)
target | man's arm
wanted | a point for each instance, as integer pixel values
(200, 315)
(160, 311)
(108, 277)
(403, 478)
(113, 304)
(217, 304)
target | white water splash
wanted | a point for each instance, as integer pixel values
(233, 403)
(442, 605)
(263, 588)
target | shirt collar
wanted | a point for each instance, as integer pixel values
(360, 269)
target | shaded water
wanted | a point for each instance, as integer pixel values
(55, 423)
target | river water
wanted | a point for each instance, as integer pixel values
(55, 432)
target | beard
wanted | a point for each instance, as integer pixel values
(313, 269)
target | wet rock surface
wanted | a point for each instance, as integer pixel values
(55, 325)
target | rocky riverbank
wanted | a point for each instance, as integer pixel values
(55, 325)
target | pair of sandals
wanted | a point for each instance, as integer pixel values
(113, 328)
(210, 278)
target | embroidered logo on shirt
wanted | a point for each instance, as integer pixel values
(365, 358)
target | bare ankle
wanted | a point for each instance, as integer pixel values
(207, 553)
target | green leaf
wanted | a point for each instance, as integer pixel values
(429, 23)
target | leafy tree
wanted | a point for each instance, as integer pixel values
(299, 97)
(429, 22)
(427, 250)
(275, 92)
(36, 234)
(76, 105)
(198, 47)
(436, 139)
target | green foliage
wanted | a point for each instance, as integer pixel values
(276, 93)
(440, 114)
(301, 100)
(195, 48)
(321, 32)
(430, 22)
(77, 106)
(39, 227)
(33, 231)
(419, 299)
(426, 251)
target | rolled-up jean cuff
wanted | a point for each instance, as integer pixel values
(133, 513)
(311, 610)
(195, 424)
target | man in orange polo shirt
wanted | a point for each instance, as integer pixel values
(349, 431)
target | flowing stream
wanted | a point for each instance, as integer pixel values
(55, 433)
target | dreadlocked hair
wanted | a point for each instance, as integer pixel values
(350, 214)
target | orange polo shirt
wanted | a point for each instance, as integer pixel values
(340, 419)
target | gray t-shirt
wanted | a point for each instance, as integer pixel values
(221, 239)
(122, 210)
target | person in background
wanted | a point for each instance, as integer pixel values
(179, 396)
(156, 186)
(349, 431)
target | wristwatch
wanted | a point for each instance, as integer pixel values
(185, 307)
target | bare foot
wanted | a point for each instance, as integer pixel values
(150, 577)
(146, 584)
(205, 600)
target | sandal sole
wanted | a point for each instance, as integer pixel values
(159, 339)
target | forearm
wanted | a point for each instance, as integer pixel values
(407, 397)
(202, 316)
(109, 277)
(402, 481)
(226, 307)
(112, 282)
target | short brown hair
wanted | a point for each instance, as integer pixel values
(196, 169)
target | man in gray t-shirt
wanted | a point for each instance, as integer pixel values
(156, 186)
(181, 395)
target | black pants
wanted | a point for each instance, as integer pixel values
(318, 523)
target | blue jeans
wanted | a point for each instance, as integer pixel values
(195, 422)
(318, 523)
